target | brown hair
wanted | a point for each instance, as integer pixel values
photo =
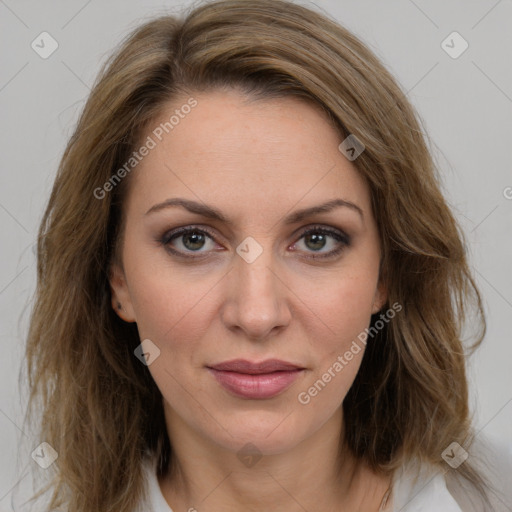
(101, 410)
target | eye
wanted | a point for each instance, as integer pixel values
(188, 239)
(317, 239)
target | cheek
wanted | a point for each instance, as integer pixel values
(344, 312)
(342, 307)
(174, 311)
(168, 301)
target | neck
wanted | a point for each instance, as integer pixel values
(207, 477)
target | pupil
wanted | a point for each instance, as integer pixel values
(196, 239)
(318, 241)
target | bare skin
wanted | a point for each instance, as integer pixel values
(257, 162)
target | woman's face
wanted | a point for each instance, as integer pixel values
(246, 283)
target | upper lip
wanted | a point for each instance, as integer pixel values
(244, 366)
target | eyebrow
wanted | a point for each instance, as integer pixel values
(213, 213)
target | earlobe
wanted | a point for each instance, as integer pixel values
(120, 295)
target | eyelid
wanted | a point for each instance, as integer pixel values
(166, 238)
(335, 232)
(186, 229)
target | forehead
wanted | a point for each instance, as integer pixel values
(266, 153)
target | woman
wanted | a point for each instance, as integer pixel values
(250, 288)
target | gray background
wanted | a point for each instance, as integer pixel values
(465, 104)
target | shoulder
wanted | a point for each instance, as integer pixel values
(422, 488)
(427, 488)
(155, 501)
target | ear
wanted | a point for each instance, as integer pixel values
(121, 300)
(380, 298)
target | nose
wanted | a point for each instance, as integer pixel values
(257, 301)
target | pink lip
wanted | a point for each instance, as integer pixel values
(256, 380)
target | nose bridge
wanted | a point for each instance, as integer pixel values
(256, 281)
(255, 276)
(258, 302)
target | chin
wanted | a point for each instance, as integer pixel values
(271, 433)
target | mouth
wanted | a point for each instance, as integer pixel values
(256, 381)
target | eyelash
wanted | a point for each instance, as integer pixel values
(340, 237)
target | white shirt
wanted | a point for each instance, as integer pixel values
(415, 489)
(425, 496)
(425, 491)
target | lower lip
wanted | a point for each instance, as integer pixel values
(265, 385)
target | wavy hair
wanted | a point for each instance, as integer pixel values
(99, 407)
